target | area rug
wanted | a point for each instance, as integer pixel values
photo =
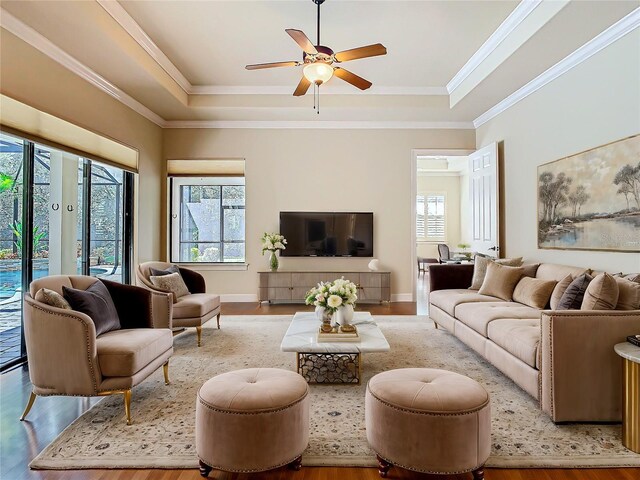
(162, 434)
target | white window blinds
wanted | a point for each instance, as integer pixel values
(430, 217)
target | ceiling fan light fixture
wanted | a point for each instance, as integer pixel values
(318, 72)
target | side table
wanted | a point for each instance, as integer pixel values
(630, 395)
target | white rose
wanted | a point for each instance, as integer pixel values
(334, 301)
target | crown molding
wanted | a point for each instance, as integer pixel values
(44, 45)
(126, 21)
(318, 125)
(329, 90)
(515, 18)
(616, 31)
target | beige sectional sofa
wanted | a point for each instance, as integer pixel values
(563, 358)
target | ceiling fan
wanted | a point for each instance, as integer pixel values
(318, 61)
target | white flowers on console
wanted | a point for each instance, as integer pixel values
(272, 242)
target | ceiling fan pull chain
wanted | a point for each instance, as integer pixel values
(318, 111)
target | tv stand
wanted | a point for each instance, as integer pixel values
(292, 286)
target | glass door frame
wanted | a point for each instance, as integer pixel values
(27, 217)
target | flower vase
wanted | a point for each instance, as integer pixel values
(273, 261)
(346, 316)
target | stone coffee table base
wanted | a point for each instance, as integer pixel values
(329, 368)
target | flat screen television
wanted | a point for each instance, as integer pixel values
(327, 234)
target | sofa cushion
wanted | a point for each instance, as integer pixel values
(601, 294)
(521, 338)
(572, 297)
(479, 315)
(629, 298)
(195, 305)
(95, 302)
(559, 290)
(448, 300)
(552, 271)
(534, 292)
(481, 263)
(500, 281)
(122, 353)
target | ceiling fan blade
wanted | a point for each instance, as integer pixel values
(259, 66)
(361, 52)
(352, 78)
(302, 40)
(302, 87)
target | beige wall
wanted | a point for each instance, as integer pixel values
(322, 170)
(33, 78)
(450, 187)
(595, 103)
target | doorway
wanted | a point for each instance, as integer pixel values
(440, 195)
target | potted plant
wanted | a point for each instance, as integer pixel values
(272, 243)
(465, 253)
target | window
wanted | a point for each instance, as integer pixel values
(430, 217)
(208, 220)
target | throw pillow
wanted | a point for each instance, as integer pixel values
(629, 298)
(601, 294)
(96, 302)
(52, 298)
(173, 283)
(480, 267)
(500, 280)
(530, 269)
(572, 297)
(633, 277)
(534, 292)
(559, 290)
(159, 273)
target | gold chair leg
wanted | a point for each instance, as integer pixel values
(218, 321)
(199, 332)
(165, 369)
(32, 399)
(127, 405)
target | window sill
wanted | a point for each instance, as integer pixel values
(229, 267)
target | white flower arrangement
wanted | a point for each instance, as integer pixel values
(332, 295)
(273, 242)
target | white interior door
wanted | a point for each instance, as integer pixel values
(483, 193)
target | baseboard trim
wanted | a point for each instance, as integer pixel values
(238, 297)
(401, 297)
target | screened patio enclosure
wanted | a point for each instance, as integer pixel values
(74, 223)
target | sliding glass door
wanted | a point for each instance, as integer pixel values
(60, 214)
(11, 271)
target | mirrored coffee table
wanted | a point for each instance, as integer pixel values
(339, 362)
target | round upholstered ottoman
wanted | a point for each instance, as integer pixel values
(252, 420)
(428, 420)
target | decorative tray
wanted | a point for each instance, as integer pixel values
(336, 335)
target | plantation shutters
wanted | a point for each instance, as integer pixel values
(430, 217)
(435, 216)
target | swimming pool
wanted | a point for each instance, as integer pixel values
(11, 280)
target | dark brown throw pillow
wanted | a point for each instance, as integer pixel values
(574, 294)
(154, 272)
(95, 302)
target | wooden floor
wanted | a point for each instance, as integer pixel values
(22, 441)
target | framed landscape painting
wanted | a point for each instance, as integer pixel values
(591, 200)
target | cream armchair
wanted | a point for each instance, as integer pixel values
(67, 358)
(192, 310)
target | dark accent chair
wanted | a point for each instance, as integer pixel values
(445, 254)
